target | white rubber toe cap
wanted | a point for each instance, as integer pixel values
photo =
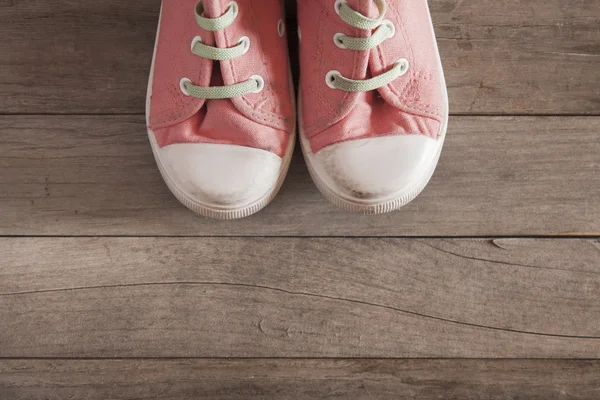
(388, 169)
(220, 177)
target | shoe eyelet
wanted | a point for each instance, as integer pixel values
(199, 9)
(404, 65)
(195, 41)
(182, 85)
(260, 81)
(234, 6)
(338, 42)
(390, 25)
(281, 28)
(338, 5)
(245, 40)
(330, 78)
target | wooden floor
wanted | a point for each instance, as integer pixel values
(485, 287)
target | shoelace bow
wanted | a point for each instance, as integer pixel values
(253, 85)
(384, 30)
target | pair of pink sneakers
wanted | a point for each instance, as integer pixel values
(372, 106)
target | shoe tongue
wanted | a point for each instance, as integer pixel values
(365, 7)
(215, 8)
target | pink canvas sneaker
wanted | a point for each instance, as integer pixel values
(220, 108)
(374, 105)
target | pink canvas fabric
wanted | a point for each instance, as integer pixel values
(260, 120)
(415, 103)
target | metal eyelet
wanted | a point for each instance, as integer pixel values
(281, 28)
(330, 78)
(260, 81)
(182, 85)
(404, 65)
(338, 42)
(195, 41)
(235, 8)
(338, 5)
(245, 40)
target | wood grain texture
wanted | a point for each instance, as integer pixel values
(295, 297)
(500, 56)
(299, 379)
(141, 317)
(497, 176)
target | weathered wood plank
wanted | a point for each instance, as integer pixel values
(501, 57)
(299, 297)
(74, 56)
(299, 379)
(520, 57)
(497, 176)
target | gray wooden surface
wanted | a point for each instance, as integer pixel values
(486, 287)
(94, 175)
(299, 297)
(300, 379)
(493, 52)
